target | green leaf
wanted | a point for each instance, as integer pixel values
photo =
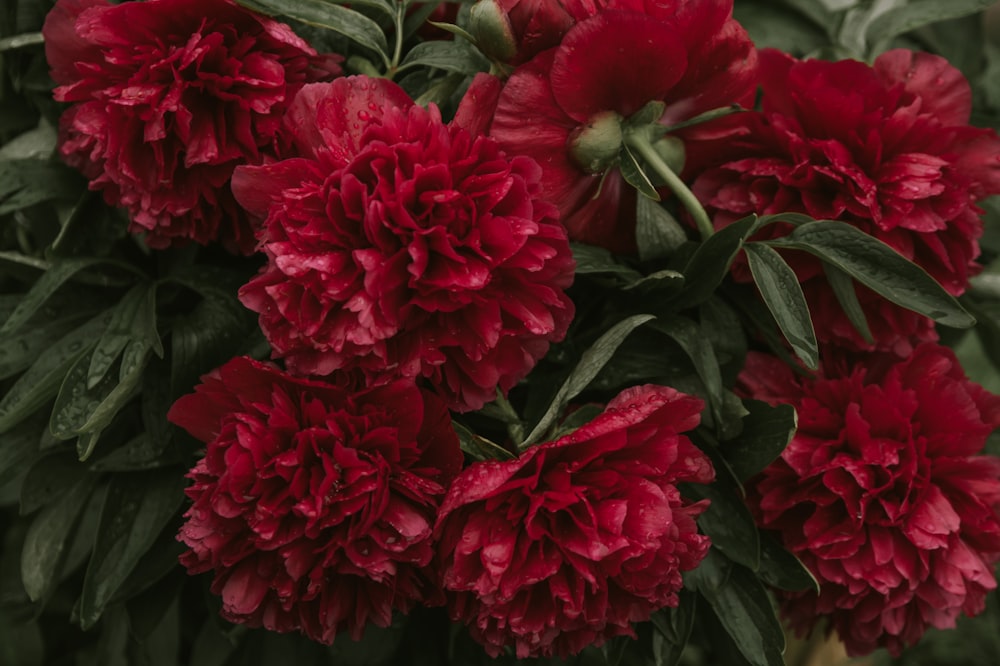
(21, 642)
(728, 521)
(81, 409)
(132, 329)
(137, 507)
(766, 432)
(781, 569)
(710, 263)
(632, 172)
(49, 537)
(914, 14)
(42, 380)
(26, 182)
(323, 14)
(782, 293)
(590, 364)
(450, 55)
(479, 448)
(20, 349)
(18, 447)
(657, 233)
(772, 26)
(843, 289)
(47, 284)
(741, 603)
(688, 335)
(591, 259)
(675, 625)
(878, 267)
(48, 478)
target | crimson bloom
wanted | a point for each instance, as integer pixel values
(578, 538)
(886, 147)
(168, 96)
(690, 54)
(884, 494)
(403, 247)
(313, 504)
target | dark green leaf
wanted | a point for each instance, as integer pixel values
(782, 293)
(21, 643)
(710, 263)
(132, 328)
(49, 537)
(632, 172)
(18, 448)
(42, 380)
(48, 478)
(843, 289)
(675, 625)
(728, 521)
(688, 335)
(663, 282)
(915, 13)
(20, 349)
(783, 570)
(26, 182)
(766, 432)
(590, 364)
(136, 508)
(479, 448)
(323, 14)
(741, 603)
(47, 284)
(879, 267)
(450, 55)
(591, 259)
(657, 233)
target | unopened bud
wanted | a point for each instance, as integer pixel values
(595, 146)
(489, 24)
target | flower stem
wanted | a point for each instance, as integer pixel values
(640, 142)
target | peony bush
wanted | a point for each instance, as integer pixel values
(499, 331)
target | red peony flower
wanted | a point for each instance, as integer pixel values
(515, 31)
(884, 494)
(578, 538)
(168, 97)
(313, 505)
(402, 247)
(690, 54)
(886, 148)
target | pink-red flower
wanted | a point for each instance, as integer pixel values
(883, 493)
(569, 544)
(690, 54)
(313, 506)
(403, 247)
(886, 147)
(168, 96)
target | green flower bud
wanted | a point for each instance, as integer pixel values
(595, 146)
(489, 24)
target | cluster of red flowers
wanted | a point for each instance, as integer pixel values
(415, 266)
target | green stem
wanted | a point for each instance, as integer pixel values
(397, 54)
(640, 142)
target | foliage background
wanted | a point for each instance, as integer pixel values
(100, 335)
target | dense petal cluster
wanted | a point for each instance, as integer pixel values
(619, 56)
(569, 544)
(403, 247)
(168, 96)
(313, 505)
(883, 494)
(885, 147)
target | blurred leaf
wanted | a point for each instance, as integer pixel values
(137, 507)
(782, 293)
(772, 26)
(21, 643)
(18, 447)
(741, 603)
(43, 379)
(766, 432)
(657, 233)
(49, 537)
(879, 267)
(26, 182)
(323, 14)
(48, 478)
(450, 55)
(915, 13)
(781, 569)
(710, 263)
(591, 259)
(590, 364)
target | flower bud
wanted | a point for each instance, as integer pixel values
(489, 24)
(595, 146)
